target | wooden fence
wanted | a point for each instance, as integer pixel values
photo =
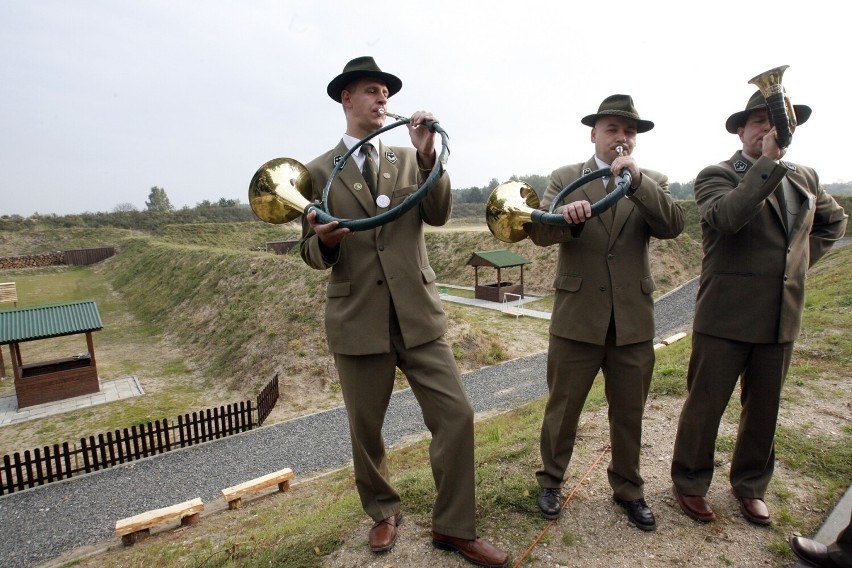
(53, 463)
(81, 257)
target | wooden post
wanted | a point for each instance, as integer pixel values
(91, 346)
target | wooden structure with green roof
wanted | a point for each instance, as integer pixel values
(498, 259)
(58, 379)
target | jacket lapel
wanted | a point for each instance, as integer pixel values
(351, 180)
(594, 191)
(621, 211)
(388, 174)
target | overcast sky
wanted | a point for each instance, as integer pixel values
(102, 100)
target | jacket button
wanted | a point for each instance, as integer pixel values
(381, 247)
(379, 282)
(610, 256)
(602, 288)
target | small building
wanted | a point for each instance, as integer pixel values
(499, 259)
(57, 379)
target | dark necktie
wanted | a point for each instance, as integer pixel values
(371, 174)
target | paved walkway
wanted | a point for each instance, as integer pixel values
(118, 389)
(513, 308)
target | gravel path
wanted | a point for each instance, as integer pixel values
(39, 524)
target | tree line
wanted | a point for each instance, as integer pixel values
(159, 211)
(679, 191)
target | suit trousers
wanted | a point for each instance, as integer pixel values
(715, 367)
(571, 370)
(367, 383)
(841, 549)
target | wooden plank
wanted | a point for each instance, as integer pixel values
(281, 478)
(671, 339)
(140, 525)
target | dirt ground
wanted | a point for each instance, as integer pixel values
(594, 533)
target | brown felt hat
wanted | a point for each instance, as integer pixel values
(359, 68)
(618, 105)
(758, 102)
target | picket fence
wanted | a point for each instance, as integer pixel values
(20, 471)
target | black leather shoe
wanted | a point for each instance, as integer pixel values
(550, 502)
(638, 513)
(811, 552)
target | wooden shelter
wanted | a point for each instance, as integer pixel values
(499, 259)
(57, 379)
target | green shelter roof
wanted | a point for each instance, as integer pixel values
(42, 322)
(497, 258)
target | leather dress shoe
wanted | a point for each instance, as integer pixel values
(812, 552)
(695, 506)
(638, 513)
(550, 502)
(477, 551)
(383, 533)
(754, 510)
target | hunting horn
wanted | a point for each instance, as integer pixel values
(514, 204)
(778, 104)
(280, 189)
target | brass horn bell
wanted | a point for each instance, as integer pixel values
(279, 190)
(778, 103)
(509, 207)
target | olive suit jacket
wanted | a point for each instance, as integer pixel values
(752, 285)
(604, 266)
(387, 266)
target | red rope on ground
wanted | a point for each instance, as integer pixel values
(565, 504)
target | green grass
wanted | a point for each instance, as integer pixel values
(238, 314)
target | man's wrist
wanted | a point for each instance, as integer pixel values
(638, 183)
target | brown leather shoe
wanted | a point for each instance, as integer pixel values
(695, 506)
(383, 533)
(754, 510)
(477, 551)
(812, 552)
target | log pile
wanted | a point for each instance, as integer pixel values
(32, 260)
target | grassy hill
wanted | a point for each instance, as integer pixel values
(203, 319)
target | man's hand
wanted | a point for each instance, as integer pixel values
(770, 146)
(329, 234)
(422, 138)
(577, 212)
(628, 162)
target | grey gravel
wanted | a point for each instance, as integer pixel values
(45, 522)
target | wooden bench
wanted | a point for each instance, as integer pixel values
(234, 495)
(139, 526)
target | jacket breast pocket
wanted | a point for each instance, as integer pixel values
(400, 193)
(337, 289)
(568, 283)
